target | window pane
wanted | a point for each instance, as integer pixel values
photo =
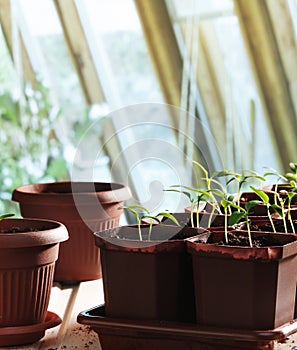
(7, 72)
(126, 71)
(49, 51)
(232, 72)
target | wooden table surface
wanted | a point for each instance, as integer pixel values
(68, 302)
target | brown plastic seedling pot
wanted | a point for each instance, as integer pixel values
(242, 287)
(125, 334)
(83, 207)
(147, 279)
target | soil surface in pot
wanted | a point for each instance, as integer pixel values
(240, 239)
(23, 230)
(181, 234)
(266, 227)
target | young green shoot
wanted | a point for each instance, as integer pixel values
(241, 179)
(265, 199)
(201, 196)
(137, 211)
(243, 213)
(226, 203)
(6, 216)
(291, 194)
(209, 180)
(163, 214)
(279, 177)
(280, 208)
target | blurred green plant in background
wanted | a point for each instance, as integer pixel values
(30, 150)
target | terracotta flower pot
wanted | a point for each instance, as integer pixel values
(83, 207)
(243, 287)
(148, 279)
(27, 262)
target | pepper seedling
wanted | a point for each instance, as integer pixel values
(243, 212)
(201, 196)
(137, 210)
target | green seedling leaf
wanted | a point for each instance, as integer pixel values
(235, 217)
(223, 173)
(274, 173)
(218, 193)
(6, 216)
(230, 197)
(261, 194)
(188, 194)
(226, 203)
(230, 180)
(291, 176)
(153, 218)
(169, 216)
(217, 183)
(277, 209)
(201, 167)
(250, 204)
(291, 195)
(293, 184)
(258, 177)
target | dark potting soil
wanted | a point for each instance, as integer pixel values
(18, 230)
(279, 226)
(241, 240)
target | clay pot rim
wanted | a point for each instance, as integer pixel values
(65, 192)
(277, 252)
(55, 232)
(107, 239)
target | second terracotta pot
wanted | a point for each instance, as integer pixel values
(83, 207)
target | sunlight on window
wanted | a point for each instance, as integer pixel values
(235, 79)
(7, 72)
(293, 10)
(42, 29)
(187, 8)
(127, 73)
(43, 25)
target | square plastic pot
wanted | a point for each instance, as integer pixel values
(242, 287)
(148, 279)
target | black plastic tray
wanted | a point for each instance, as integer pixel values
(123, 334)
